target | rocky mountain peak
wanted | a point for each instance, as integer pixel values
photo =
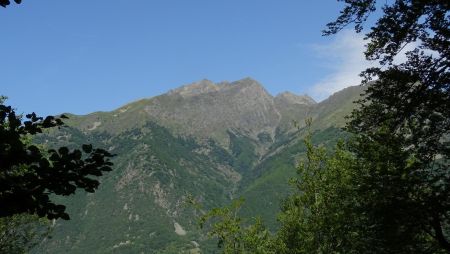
(291, 98)
(246, 83)
(250, 88)
(200, 87)
(208, 109)
(243, 87)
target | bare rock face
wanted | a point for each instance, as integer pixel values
(207, 110)
(210, 110)
(290, 98)
(197, 88)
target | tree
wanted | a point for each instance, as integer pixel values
(402, 125)
(21, 232)
(30, 174)
(5, 3)
(321, 215)
(233, 236)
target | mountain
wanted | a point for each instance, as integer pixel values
(289, 98)
(214, 142)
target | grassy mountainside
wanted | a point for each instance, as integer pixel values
(212, 141)
(267, 185)
(140, 205)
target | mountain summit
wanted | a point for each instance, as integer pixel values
(206, 109)
(201, 87)
(206, 86)
(291, 98)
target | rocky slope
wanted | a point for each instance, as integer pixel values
(212, 141)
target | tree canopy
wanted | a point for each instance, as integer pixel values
(21, 232)
(402, 124)
(29, 174)
(5, 3)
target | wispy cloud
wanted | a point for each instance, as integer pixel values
(344, 57)
(345, 60)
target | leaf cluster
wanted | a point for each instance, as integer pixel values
(29, 174)
(4, 3)
(320, 216)
(233, 235)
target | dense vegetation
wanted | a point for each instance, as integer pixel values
(387, 189)
(402, 126)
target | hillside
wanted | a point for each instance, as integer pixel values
(212, 141)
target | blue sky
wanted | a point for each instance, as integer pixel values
(85, 56)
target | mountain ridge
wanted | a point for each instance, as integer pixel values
(201, 106)
(212, 143)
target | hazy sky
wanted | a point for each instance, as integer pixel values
(85, 56)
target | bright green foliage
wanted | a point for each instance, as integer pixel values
(268, 185)
(19, 233)
(319, 217)
(233, 237)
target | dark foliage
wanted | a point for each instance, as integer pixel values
(29, 174)
(403, 124)
(5, 3)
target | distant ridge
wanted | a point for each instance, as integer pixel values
(295, 99)
(206, 109)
